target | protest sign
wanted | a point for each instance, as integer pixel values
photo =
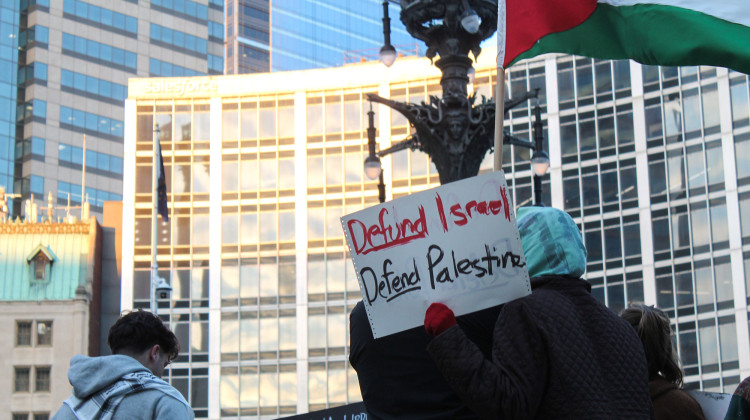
(457, 244)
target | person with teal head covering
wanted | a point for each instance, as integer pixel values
(552, 243)
(557, 353)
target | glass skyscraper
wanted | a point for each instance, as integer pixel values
(9, 20)
(651, 162)
(67, 64)
(264, 35)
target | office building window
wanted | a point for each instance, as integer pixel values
(96, 197)
(742, 156)
(86, 121)
(178, 39)
(23, 333)
(34, 71)
(740, 103)
(42, 383)
(92, 85)
(185, 7)
(193, 386)
(37, 146)
(34, 416)
(43, 333)
(96, 162)
(37, 185)
(21, 379)
(35, 108)
(99, 52)
(163, 68)
(28, 4)
(25, 330)
(105, 17)
(215, 63)
(745, 217)
(216, 30)
(35, 34)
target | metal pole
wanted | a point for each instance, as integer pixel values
(386, 24)
(83, 173)
(538, 190)
(371, 149)
(538, 147)
(500, 85)
(154, 224)
(499, 117)
(381, 188)
(371, 132)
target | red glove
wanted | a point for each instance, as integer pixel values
(438, 318)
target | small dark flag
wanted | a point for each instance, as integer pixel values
(162, 186)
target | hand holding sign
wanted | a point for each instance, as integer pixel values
(457, 244)
(438, 318)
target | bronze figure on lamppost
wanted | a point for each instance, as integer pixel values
(453, 130)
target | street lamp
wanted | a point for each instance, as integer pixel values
(469, 19)
(373, 168)
(539, 160)
(387, 52)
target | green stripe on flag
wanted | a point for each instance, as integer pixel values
(653, 34)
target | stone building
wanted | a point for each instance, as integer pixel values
(49, 276)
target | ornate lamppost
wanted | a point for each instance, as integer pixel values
(539, 159)
(454, 131)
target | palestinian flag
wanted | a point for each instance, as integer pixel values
(656, 32)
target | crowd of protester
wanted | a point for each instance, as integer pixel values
(557, 353)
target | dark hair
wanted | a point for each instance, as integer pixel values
(138, 331)
(652, 326)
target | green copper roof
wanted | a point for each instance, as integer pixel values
(65, 244)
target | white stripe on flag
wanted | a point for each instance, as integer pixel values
(736, 11)
(501, 35)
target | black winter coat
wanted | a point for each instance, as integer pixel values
(557, 354)
(397, 376)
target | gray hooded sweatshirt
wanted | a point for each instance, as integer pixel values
(91, 375)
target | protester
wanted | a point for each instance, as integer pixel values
(739, 405)
(397, 377)
(127, 384)
(557, 353)
(664, 372)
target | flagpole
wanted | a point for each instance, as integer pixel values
(154, 224)
(83, 173)
(500, 86)
(499, 117)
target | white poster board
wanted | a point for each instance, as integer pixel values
(457, 244)
(713, 404)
